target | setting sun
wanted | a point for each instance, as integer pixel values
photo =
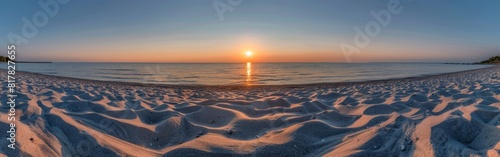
(249, 53)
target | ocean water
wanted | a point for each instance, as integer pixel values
(240, 73)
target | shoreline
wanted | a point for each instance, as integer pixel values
(334, 84)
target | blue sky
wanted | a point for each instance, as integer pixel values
(277, 31)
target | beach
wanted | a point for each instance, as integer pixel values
(454, 114)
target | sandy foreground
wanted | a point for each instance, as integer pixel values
(447, 115)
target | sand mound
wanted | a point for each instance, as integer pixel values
(447, 115)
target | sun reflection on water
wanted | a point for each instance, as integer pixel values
(249, 73)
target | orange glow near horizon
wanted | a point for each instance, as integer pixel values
(222, 56)
(191, 56)
(240, 48)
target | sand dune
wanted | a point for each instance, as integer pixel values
(447, 115)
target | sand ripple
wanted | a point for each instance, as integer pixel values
(448, 115)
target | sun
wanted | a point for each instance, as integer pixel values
(249, 53)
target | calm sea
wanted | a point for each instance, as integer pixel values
(240, 74)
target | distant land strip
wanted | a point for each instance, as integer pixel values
(492, 60)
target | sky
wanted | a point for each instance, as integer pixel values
(275, 31)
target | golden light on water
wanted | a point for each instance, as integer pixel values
(249, 55)
(249, 73)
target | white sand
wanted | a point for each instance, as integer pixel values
(448, 115)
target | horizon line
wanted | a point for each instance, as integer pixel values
(230, 62)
